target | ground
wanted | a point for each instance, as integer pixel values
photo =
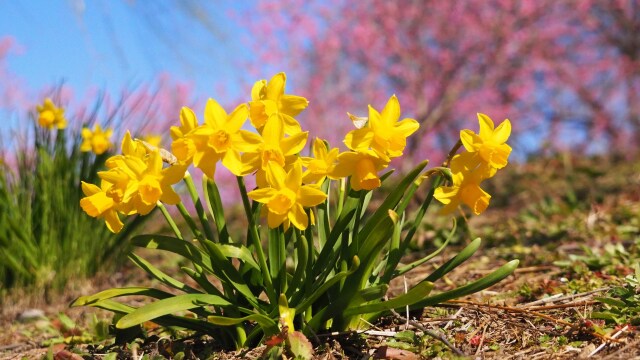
(573, 223)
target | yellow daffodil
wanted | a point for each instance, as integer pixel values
(363, 167)
(269, 100)
(286, 197)
(97, 140)
(466, 178)
(99, 203)
(383, 133)
(222, 138)
(184, 146)
(321, 165)
(138, 180)
(50, 116)
(490, 143)
(275, 147)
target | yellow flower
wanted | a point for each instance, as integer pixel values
(286, 197)
(363, 167)
(466, 178)
(139, 182)
(275, 147)
(384, 133)
(183, 146)
(269, 100)
(96, 140)
(50, 116)
(98, 203)
(222, 138)
(490, 143)
(321, 165)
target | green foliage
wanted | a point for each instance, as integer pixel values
(330, 277)
(45, 238)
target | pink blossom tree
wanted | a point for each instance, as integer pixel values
(564, 72)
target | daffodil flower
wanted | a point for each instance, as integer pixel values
(465, 188)
(384, 133)
(321, 165)
(269, 100)
(286, 197)
(490, 142)
(363, 167)
(183, 147)
(222, 138)
(50, 116)
(99, 204)
(97, 140)
(275, 147)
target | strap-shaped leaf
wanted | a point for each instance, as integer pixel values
(462, 256)
(269, 325)
(168, 320)
(478, 285)
(117, 292)
(309, 300)
(176, 246)
(403, 270)
(238, 251)
(414, 295)
(169, 306)
(161, 276)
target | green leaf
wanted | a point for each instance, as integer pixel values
(238, 251)
(169, 306)
(611, 301)
(454, 262)
(117, 292)
(478, 285)
(414, 295)
(161, 276)
(403, 270)
(268, 325)
(309, 300)
(176, 246)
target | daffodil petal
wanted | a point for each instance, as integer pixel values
(275, 86)
(298, 217)
(391, 112)
(309, 196)
(486, 127)
(214, 114)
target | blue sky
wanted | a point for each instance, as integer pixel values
(112, 44)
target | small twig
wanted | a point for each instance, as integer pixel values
(565, 297)
(605, 343)
(561, 306)
(484, 332)
(434, 335)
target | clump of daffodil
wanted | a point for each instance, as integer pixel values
(286, 197)
(269, 100)
(50, 116)
(133, 184)
(97, 140)
(485, 153)
(320, 261)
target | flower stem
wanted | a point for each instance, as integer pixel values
(170, 221)
(255, 238)
(188, 180)
(189, 220)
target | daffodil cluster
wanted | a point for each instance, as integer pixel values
(50, 116)
(133, 184)
(486, 152)
(98, 140)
